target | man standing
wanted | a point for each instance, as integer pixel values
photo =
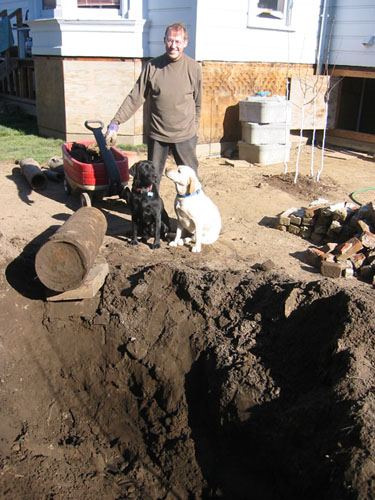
(173, 81)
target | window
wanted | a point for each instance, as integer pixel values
(270, 14)
(112, 4)
(48, 4)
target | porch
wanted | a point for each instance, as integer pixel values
(17, 81)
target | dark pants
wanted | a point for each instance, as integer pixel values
(184, 153)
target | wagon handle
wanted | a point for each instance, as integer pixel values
(88, 122)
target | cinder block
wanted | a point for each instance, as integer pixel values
(257, 109)
(264, 154)
(265, 133)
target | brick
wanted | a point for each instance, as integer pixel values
(335, 226)
(295, 219)
(340, 215)
(308, 221)
(367, 272)
(368, 239)
(348, 272)
(371, 210)
(331, 269)
(328, 247)
(358, 259)
(281, 227)
(284, 218)
(330, 257)
(314, 257)
(313, 210)
(306, 232)
(349, 248)
(363, 226)
(294, 229)
(316, 238)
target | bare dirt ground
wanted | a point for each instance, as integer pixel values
(189, 376)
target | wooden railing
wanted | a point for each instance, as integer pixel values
(16, 74)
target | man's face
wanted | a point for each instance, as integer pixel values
(175, 43)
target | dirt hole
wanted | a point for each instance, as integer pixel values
(195, 384)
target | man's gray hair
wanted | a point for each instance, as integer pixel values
(177, 27)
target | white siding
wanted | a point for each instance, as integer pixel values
(223, 34)
(160, 13)
(351, 23)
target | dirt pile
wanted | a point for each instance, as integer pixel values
(184, 383)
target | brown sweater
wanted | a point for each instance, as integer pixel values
(175, 89)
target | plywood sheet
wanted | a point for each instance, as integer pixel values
(95, 89)
(307, 95)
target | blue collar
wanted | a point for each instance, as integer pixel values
(189, 194)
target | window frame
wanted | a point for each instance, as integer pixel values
(280, 23)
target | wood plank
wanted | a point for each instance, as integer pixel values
(357, 73)
(351, 135)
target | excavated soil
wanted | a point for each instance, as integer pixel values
(237, 373)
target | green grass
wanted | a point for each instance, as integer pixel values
(19, 139)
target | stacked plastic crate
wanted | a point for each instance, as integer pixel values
(265, 130)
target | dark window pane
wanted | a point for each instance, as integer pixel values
(49, 4)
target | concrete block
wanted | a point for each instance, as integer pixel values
(264, 154)
(257, 109)
(265, 133)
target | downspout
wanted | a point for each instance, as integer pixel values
(319, 63)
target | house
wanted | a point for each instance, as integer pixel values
(87, 54)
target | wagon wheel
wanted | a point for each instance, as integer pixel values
(85, 200)
(67, 187)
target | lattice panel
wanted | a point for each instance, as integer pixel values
(225, 84)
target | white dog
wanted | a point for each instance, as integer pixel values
(195, 211)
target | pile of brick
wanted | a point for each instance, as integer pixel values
(343, 235)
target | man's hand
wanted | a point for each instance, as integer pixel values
(111, 135)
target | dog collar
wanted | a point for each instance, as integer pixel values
(189, 194)
(147, 190)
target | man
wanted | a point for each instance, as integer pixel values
(173, 81)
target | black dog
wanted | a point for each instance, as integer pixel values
(149, 217)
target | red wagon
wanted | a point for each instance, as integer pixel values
(95, 180)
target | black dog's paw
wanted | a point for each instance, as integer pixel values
(134, 242)
(155, 246)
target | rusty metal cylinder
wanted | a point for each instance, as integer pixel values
(64, 261)
(33, 174)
